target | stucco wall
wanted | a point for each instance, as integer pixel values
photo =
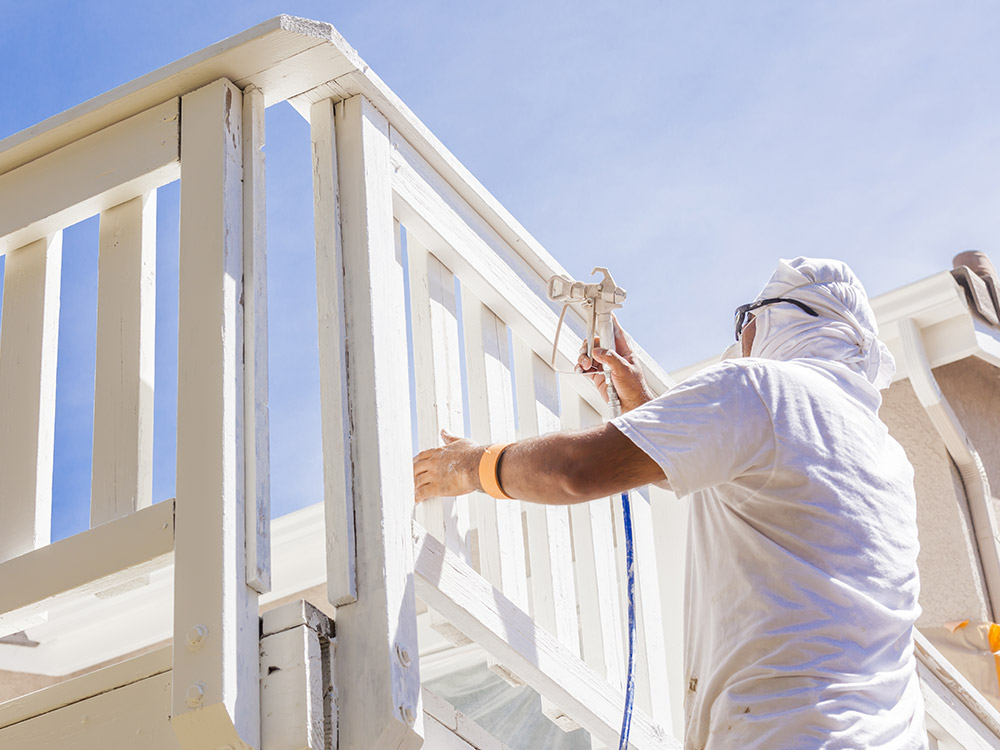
(951, 578)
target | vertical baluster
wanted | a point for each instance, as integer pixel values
(670, 518)
(256, 429)
(653, 689)
(438, 376)
(29, 341)
(593, 535)
(216, 689)
(381, 708)
(122, 476)
(491, 416)
(338, 479)
(549, 543)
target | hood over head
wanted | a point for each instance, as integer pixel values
(844, 332)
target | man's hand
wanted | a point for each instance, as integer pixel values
(626, 375)
(452, 469)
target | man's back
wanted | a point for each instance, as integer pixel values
(802, 580)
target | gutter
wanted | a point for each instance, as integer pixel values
(963, 453)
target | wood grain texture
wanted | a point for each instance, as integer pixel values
(122, 474)
(93, 174)
(256, 422)
(30, 337)
(383, 709)
(210, 566)
(493, 621)
(338, 470)
(291, 691)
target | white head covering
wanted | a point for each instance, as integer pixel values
(844, 332)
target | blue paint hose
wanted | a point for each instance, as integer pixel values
(630, 577)
(616, 410)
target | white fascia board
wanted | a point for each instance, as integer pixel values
(951, 331)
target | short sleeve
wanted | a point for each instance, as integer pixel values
(710, 429)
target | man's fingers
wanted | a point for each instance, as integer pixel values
(614, 360)
(621, 340)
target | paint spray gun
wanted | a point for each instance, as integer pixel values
(600, 299)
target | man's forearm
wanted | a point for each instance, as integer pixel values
(572, 467)
(557, 469)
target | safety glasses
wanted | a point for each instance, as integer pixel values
(743, 311)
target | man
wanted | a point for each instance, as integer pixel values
(802, 545)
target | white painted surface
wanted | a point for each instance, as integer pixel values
(98, 172)
(553, 592)
(450, 586)
(930, 661)
(87, 563)
(291, 691)
(30, 334)
(83, 630)
(79, 688)
(491, 418)
(338, 476)
(448, 728)
(550, 547)
(122, 474)
(496, 274)
(210, 568)
(958, 725)
(601, 617)
(437, 371)
(669, 519)
(136, 715)
(256, 430)
(383, 709)
(652, 675)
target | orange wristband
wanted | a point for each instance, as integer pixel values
(489, 477)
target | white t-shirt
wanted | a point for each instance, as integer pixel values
(802, 557)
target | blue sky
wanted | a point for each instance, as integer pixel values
(686, 146)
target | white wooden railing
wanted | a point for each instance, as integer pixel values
(540, 588)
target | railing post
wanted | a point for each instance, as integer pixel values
(216, 696)
(338, 492)
(377, 635)
(256, 421)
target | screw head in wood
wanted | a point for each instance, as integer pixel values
(403, 655)
(196, 637)
(195, 695)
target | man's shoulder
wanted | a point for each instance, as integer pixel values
(748, 370)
